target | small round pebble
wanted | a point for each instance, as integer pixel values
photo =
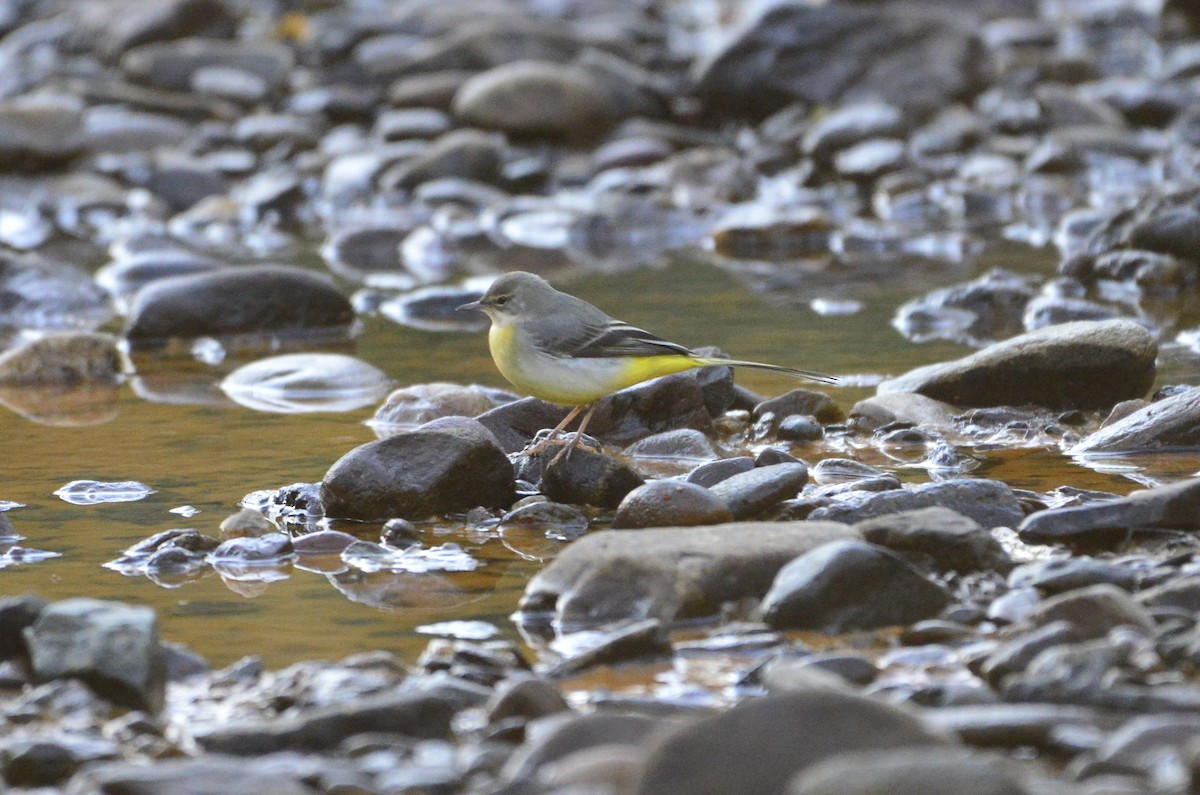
(671, 503)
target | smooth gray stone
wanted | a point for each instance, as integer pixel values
(669, 572)
(1170, 422)
(1174, 507)
(1081, 365)
(848, 585)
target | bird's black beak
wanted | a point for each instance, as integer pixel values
(476, 305)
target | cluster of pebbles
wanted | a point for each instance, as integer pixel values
(165, 161)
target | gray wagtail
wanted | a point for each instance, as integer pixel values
(564, 350)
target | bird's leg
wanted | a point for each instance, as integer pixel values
(566, 451)
(543, 444)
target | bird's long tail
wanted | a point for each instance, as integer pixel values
(811, 376)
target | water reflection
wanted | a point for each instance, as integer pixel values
(171, 426)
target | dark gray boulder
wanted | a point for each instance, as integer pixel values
(1081, 365)
(260, 299)
(825, 54)
(111, 646)
(418, 474)
(760, 744)
(848, 585)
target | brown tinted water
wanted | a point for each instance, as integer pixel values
(210, 456)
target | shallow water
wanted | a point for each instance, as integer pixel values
(210, 455)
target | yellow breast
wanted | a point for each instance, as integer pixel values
(568, 381)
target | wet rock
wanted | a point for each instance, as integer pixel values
(255, 299)
(1067, 574)
(63, 358)
(247, 522)
(1148, 270)
(409, 123)
(364, 252)
(988, 502)
(630, 151)
(113, 26)
(791, 53)
(785, 675)
(435, 89)
(615, 643)
(42, 294)
(525, 697)
(756, 746)
(1011, 725)
(112, 647)
(539, 98)
(671, 503)
(751, 494)
(850, 125)
(269, 548)
(803, 402)
(17, 613)
(1046, 310)
(933, 771)
(1145, 742)
(33, 763)
(560, 737)
(712, 473)
(952, 542)
(852, 668)
(587, 478)
(752, 231)
(423, 715)
(885, 409)
(1171, 422)
(986, 309)
(683, 443)
(1175, 507)
(850, 585)
(173, 64)
(202, 776)
(420, 403)
(1172, 229)
(1083, 365)
(871, 159)
(1092, 612)
(462, 154)
(1183, 593)
(799, 429)
(37, 133)
(1014, 654)
(326, 542)
(664, 404)
(419, 474)
(625, 574)
(128, 274)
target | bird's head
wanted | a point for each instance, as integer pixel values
(514, 296)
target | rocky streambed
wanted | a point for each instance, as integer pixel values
(212, 206)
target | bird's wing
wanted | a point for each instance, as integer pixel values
(609, 338)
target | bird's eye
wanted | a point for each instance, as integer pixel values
(500, 300)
